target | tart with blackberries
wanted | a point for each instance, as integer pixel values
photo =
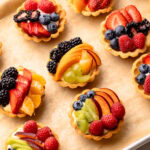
(40, 20)
(21, 92)
(73, 63)
(91, 7)
(141, 75)
(97, 114)
(125, 33)
(32, 136)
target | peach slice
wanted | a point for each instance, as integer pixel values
(79, 5)
(25, 135)
(38, 78)
(36, 99)
(34, 146)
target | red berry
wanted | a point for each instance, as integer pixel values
(30, 5)
(147, 84)
(51, 144)
(146, 60)
(30, 127)
(139, 40)
(44, 133)
(94, 5)
(96, 128)
(104, 4)
(109, 122)
(118, 110)
(46, 6)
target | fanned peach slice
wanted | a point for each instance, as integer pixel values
(79, 5)
(36, 99)
(38, 78)
(25, 135)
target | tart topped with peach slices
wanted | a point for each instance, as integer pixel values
(73, 63)
(40, 20)
(97, 113)
(32, 136)
(125, 33)
(91, 7)
(21, 91)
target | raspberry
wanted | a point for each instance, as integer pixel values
(51, 144)
(30, 5)
(118, 110)
(44, 133)
(30, 127)
(147, 84)
(96, 128)
(109, 122)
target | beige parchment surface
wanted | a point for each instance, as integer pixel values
(115, 74)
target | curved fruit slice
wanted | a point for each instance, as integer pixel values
(38, 78)
(36, 99)
(79, 5)
(146, 60)
(34, 146)
(126, 15)
(103, 104)
(27, 74)
(25, 135)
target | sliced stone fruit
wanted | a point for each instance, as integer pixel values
(38, 78)
(34, 146)
(25, 135)
(79, 5)
(36, 99)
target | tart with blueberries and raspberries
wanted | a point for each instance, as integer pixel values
(21, 92)
(97, 113)
(32, 136)
(40, 20)
(73, 63)
(125, 33)
(91, 7)
(141, 75)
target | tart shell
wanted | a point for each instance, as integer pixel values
(120, 53)
(96, 138)
(62, 22)
(0, 48)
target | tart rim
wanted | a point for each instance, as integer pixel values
(0, 48)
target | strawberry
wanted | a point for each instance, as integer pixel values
(46, 6)
(30, 5)
(139, 40)
(134, 13)
(94, 5)
(118, 110)
(23, 79)
(16, 100)
(51, 144)
(44, 133)
(27, 74)
(30, 127)
(109, 122)
(115, 19)
(31, 27)
(147, 84)
(126, 44)
(25, 26)
(146, 60)
(104, 4)
(96, 128)
(126, 15)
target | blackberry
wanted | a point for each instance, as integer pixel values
(51, 66)
(33, 15)
(21, 16)
(10, 72)
(56, 54)
(64, 46)
(8, 83)
(76, 41)
(4, 97)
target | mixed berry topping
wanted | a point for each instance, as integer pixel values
(57, 53)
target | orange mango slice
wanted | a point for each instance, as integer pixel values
(38, 78)
(36, 99)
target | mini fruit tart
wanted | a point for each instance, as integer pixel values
(0, 48)
(32, 136)
(91, 7)
(40, 20)
(73, 63)
(21, 91)
(97, 113)
(141, 75)
(125, 33)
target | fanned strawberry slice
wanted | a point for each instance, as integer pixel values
(94, 5)
(25, 26)
(126, 15)
(146, 60)
(115, 19)
(104, 4)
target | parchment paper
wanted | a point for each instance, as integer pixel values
(115, 74)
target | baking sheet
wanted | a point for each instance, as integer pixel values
(115, 74)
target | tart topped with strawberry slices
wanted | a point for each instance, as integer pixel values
(32, 136)
(97, 113)
(73, 63)
(91, 7)
(125, 33)
(21, 91)
(141, 75)
(40, 20)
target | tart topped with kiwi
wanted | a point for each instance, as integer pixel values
(73, 63)
(125, 33)
(91, 7)
(21, 92)
(32, 136)
(40, 20)
(97, 113)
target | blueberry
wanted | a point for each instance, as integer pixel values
(44, 19)
(144, 68)
(114, 44)
(52, 27)
(109, 34)
(90, 94)
(54, 16)
(141, 78)
(120, 30)
(77, 105)
(83, 98)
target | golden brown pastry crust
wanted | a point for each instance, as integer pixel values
(0, 48)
